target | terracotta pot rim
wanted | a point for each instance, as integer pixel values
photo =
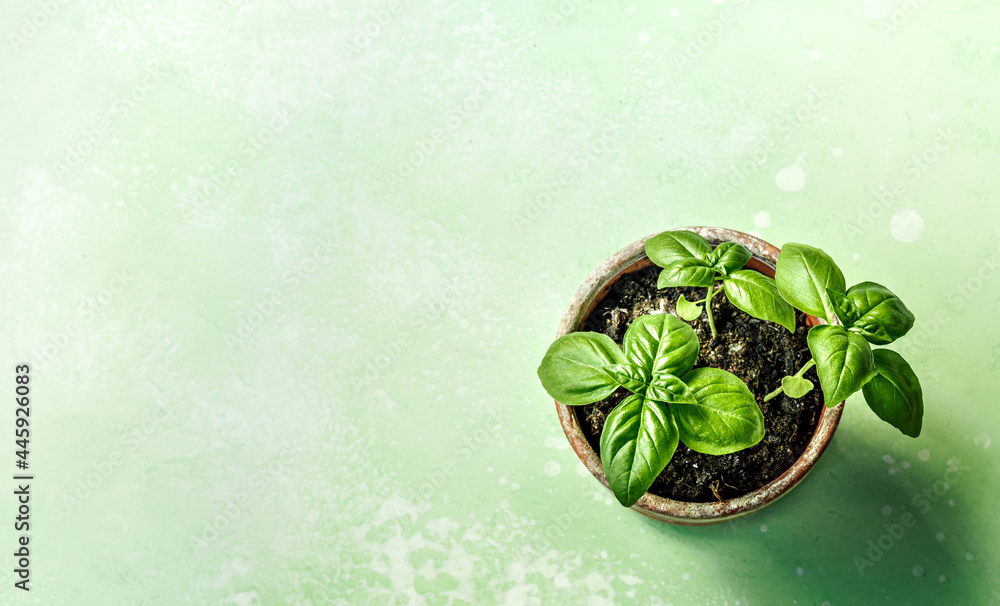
(661, 508)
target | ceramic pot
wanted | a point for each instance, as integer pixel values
(633, 258)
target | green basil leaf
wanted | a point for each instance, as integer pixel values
(756, 294)
(843, 307)
(630, 376)
(687, 310)
(796, 387)
(671, 246)
(638, 440)
(572, 369)
(670, 389)
(661, 343)
(844, 361)
(725, 416)
(894, 394)
(728, 257)
(881, 317)
(803, 274)
(687, 272)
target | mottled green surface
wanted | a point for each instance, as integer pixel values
(291, 300)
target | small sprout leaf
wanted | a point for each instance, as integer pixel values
(687, 310)
(796, 387)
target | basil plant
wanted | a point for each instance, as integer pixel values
(708, 409)
(868, 314)
(688, 259)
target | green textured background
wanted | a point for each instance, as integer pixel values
(284, 284)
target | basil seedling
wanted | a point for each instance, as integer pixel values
(710, 410)
(688, 259)
(869, 314)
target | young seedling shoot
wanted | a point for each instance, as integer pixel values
(710, 410)
(688, 259)
(858, 317)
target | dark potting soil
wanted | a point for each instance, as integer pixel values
(758, 352)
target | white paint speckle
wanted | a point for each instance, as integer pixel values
(790, 178)
(643, 37)
(886, 510)
(502, 480)
(969, 556)
(557, 442)
(245, 599)
(836, 151)
(917, 571)
(907, 225)
(942, 579)
(762, 219)
(763, 527)
(906, 464)
(552, 468)
(799, 571)
(892, 471)
(951, 502)
(939, 536)
(924, 455)
(888, 459)
(815, 55)
(855, 256)
(686, 576)
(675, 12)
(983, 440)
